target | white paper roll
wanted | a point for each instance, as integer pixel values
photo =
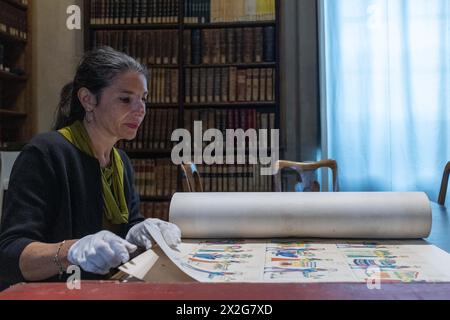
(369, 215)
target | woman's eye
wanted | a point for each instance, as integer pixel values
(125, 100)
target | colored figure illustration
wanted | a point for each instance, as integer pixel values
(299, 263)
(224, 249)
(215, 256)
(288, 245)
(383, 264)
(307, 272)
(397, 276)
(364, 245)
(280, 259)
(304, 262)
(192, 259)
(370, 254)
(227, 276)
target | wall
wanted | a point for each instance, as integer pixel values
(56, 52)
(300, 102)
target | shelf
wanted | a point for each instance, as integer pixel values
(13, 146)
(12, 76)
(17, 114)
(10, 38)
(161, 65)
(17, 4)
(156, 26)
(12, 114)
(237, 24)
(230, 105)
(238, 65)
(161, 105)
(145, 153)
(155, 198)
(153, 26)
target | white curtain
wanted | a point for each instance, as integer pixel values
(386, 92)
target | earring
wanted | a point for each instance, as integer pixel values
(89, 116)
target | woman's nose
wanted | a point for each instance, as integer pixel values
(141, 107)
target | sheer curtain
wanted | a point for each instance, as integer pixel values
(386, 92)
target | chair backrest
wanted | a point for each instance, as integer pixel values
(444, 184)
(193, 179)
(7, 159)
(306, 174)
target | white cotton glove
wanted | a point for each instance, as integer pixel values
(97, 253)
(140, 235)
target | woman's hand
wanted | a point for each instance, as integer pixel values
(140, 235)
(100, 252)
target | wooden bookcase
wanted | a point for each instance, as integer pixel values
(17, 123)
(166, 36)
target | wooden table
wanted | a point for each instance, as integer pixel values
(226, 291)
(440, 236)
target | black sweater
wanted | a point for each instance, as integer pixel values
(55, 194)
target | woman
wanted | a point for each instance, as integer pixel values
(73, 184)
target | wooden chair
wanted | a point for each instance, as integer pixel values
(444, 184)
(306, 171)
(193, 179)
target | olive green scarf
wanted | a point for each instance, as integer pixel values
(116, 210)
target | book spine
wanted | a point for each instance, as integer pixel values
(196, 47)
(187, 85)
(203, 82)
(225, 81)
(269, 44)
(217, 80)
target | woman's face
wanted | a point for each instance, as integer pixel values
(122, 106)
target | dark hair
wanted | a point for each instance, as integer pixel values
(96, 71)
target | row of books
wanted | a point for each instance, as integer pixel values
(212, 11)
(155, 177)
(13, 21)
(150, 47)
(8, 130)
(163, 85)
(208, 46)
(6, 67)
(231, 45)
(158, 210)
(133, 11)
(232, 178)
(156, 130)
(20, 2)
(159, 178)
(206, 85)
(229, 119)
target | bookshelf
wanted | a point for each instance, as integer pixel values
(16, 114)
(214, 61)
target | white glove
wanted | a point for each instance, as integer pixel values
(140, 235)
(97, 253)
